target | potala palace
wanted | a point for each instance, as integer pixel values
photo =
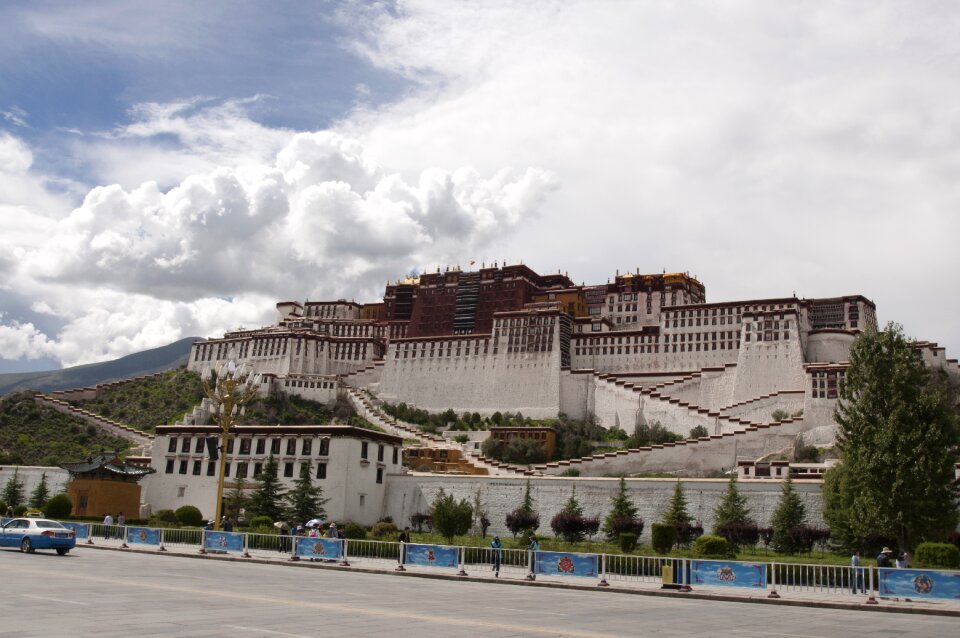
(641, 349)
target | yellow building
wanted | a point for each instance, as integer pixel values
(104, 484)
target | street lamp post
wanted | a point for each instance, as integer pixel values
(229, 388)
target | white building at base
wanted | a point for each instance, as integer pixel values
(350, 464)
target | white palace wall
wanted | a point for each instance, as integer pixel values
(409, 494)
(526, 382)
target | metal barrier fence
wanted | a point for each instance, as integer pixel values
(519, 563)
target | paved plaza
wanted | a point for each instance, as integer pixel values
(103, 593)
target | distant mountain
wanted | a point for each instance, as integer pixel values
(159, 359)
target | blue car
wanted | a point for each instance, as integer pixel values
(30, 534)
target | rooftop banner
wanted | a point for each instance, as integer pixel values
(719, 573)
(223, 541)
(143, 536)
(566, 564)
(915, 583)
(431, 555)
(320, 548)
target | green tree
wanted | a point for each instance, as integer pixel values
(450, 517)
(40, 494)
(622, 516)
(732, 508)
(305, 500)
(899, 438)
(236, 500)
(58, 507)
(13, 490)
(676, 513)
(524, 517)
(267, 500)
(790, 513)
(568, 523)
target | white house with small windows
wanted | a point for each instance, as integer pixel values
(350, 464)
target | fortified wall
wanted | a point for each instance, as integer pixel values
(410, 494)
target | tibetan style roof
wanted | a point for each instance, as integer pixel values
(109, 464)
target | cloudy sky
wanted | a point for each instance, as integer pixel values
(173, 169)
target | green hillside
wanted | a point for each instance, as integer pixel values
(166, 357)
(31, 435)
(144, 404)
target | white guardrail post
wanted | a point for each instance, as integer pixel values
(773, 581)
(203, 541)
(603, 571)
(246, 545)
(872, 599)
(163, 533)
(462, 556)
(530, 574)
(684, 570)
(344, 561)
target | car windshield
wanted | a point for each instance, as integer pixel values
(48, 524)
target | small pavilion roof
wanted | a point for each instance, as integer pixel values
(109, 463)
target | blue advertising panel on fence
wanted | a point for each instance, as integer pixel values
(322, 548)
(143, 536)
(223, 541)
(431, 555)
(728, 574)
(82, 530)
(564, 564)
(920, 582)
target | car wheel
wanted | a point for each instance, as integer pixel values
(62, 551)
(26, 546)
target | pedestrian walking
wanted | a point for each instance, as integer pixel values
(855, 581)
(107, 525)
(403, 539)
(533, 548)
(497, 547)
(883, 558)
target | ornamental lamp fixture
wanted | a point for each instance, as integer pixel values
(230, 389)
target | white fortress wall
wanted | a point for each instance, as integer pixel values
(686, 390)
(828, 346)
(761, 410)
(576, 395)
(717, 453)
(771, 358)
(322, 389)
(476, 381)
(716, 386)
(410, 494)
(31, 475)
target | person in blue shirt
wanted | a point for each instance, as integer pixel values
(533, 549)
(497, 555)
(856, 572)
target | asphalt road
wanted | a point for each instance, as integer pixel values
(106, 593)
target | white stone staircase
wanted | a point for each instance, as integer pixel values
(142, 440)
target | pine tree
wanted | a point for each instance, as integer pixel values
(524, 518)
(40, 494)
(899, 438)
(450, 517)
(732, 508)
(267, 500)
(789, 514)
(305, 501)
(13, 490)
(236, 500)
(569, 523)
(676, 513)
(622, 516)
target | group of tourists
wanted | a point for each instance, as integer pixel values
(884, 559)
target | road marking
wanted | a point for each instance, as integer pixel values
(770, 633)
(457, 621)
(54, 600)
(267, 631)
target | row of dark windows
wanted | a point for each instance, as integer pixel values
(242, 469)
